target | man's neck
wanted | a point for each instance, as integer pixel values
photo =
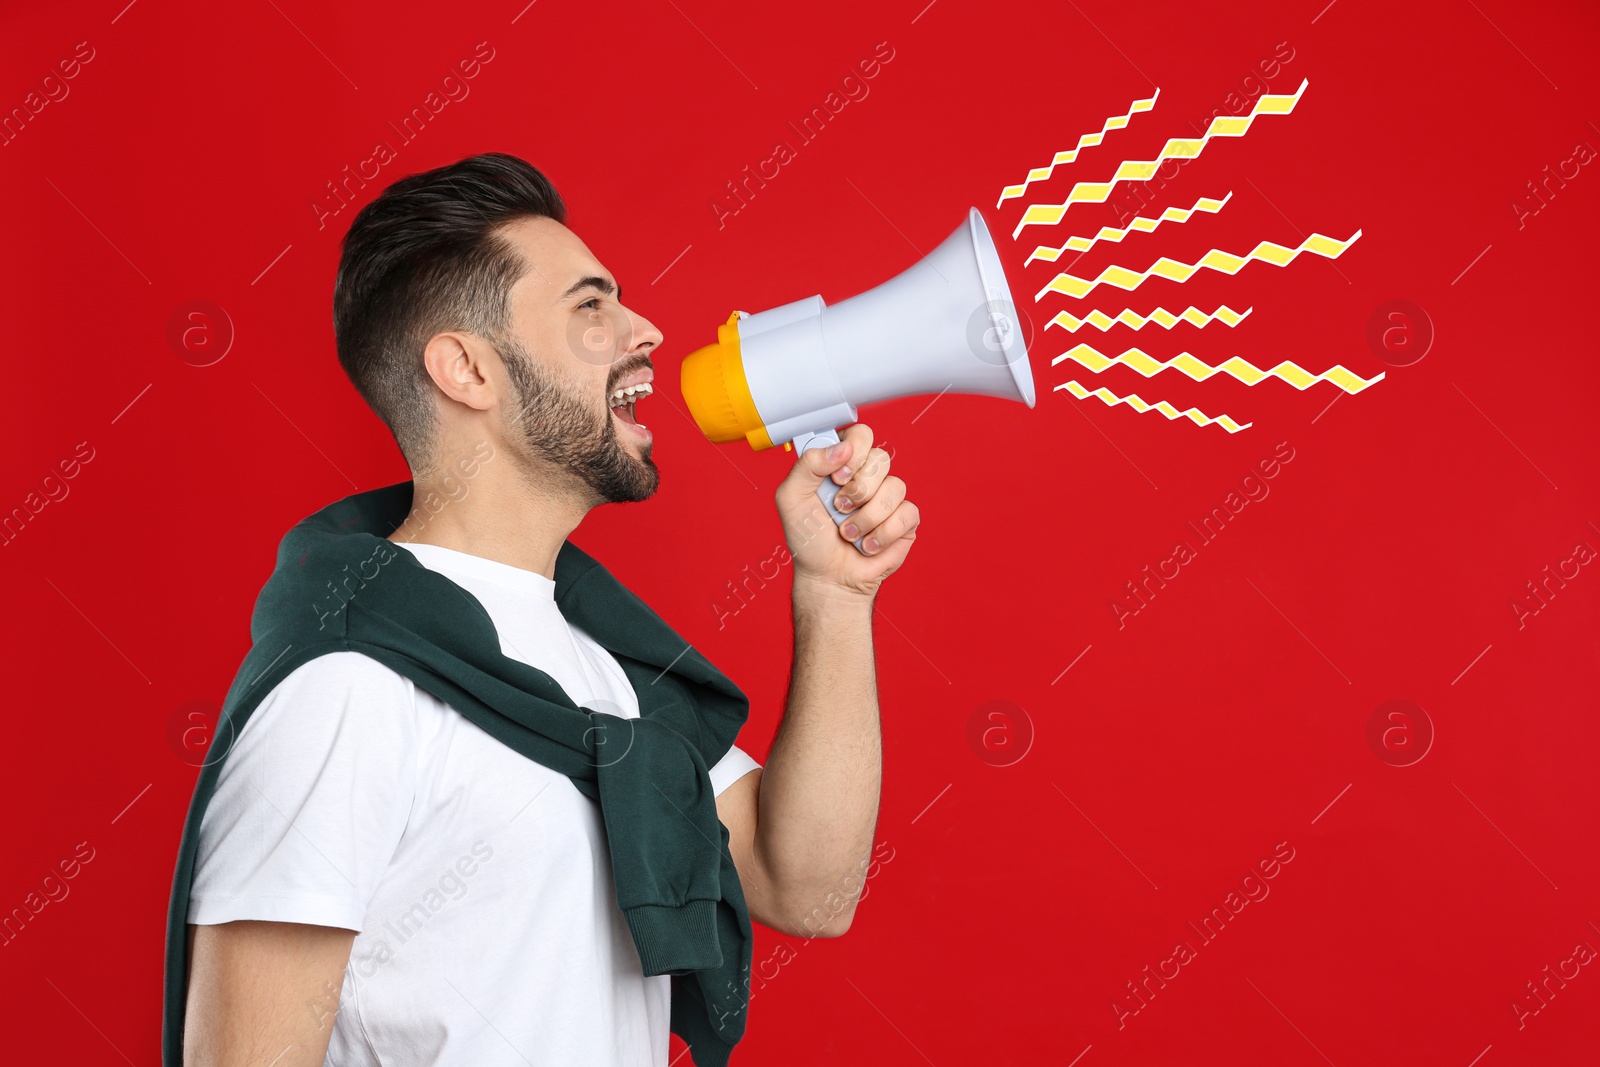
(501, 512)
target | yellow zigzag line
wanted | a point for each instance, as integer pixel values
(1236, 367)
(1140, 224)
(1144, 170)
(1216, 259)
(1139, 404)
(1088, 140)
(1160, 316)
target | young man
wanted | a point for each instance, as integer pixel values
(399, 857)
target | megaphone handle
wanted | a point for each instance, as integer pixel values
(828, 489)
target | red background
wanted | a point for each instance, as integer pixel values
(1175, 754)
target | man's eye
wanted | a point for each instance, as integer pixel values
(593, 301)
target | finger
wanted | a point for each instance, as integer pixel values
(813, 466)
(894, 531)
(869, 475)
(859, 437)
(867, 517)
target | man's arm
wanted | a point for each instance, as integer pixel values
(800, 830)
(276, 898)
(263, 992)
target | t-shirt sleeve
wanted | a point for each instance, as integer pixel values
(312, 798)
(730, 768)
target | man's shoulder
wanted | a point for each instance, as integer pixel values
(331, 702)
(343, 668)
(342, 683)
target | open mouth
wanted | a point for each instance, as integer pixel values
(623, 401)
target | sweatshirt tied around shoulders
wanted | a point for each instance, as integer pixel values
(340, 585)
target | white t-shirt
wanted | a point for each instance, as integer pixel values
(478, 880)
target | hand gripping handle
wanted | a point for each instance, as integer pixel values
(829, 488)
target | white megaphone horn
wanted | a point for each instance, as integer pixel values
(793, 375)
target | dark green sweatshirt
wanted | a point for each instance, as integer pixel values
(339, 585)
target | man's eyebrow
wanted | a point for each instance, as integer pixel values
(593, 281)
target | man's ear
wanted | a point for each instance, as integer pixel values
(455, 362)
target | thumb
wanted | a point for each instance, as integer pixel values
(815, 465)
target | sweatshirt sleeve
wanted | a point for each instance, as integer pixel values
(312, 798)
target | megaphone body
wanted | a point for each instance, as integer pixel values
(795, 373)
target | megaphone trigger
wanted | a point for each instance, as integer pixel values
(804, 443)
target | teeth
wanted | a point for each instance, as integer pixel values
(630, 394)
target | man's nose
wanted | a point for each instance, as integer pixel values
(643, 335)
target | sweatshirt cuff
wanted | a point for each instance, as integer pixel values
(675, 939)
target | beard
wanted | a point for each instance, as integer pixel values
(560, 426)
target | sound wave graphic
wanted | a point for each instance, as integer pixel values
(1140, 224)
(1139, 404)
(1144, 170)
(1125, 278)
(1088, 140)
(1236, 367)
(1160, 317)
(1216, 259)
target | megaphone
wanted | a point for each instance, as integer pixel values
(794, 374)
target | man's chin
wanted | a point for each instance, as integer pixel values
(642, 482)
(652, 479)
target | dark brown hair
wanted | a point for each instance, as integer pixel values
(427, 255)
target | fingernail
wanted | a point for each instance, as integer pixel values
(838, 452)
(870, 544)
(843, 503)
(850, 531)
(843, 474)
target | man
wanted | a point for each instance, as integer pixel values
(379, 877)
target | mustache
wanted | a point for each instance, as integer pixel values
(626, 367)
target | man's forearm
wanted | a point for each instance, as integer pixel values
(820, 787)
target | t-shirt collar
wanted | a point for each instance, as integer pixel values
(451, 563)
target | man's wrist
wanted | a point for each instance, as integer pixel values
(812, 594)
